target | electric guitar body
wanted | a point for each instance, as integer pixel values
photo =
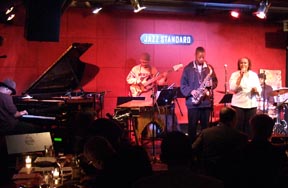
(146, 86)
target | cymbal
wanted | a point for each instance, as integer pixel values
(280, 91)
(223, 92)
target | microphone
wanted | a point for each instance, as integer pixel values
(225, 66)
(3, 56)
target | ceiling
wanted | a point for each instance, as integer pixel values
(278, 11)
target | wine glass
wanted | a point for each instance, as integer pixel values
(61, 160)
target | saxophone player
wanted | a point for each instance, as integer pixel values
(197, 83)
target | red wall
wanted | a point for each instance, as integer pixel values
(116, 48)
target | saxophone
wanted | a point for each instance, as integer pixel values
(200, 92)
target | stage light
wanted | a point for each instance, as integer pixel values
(235, 13)
(262, 9)
(137, 5)
(97, 9)
(8, 14)
(9, 10)
(10, 17)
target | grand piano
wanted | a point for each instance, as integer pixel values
(57, 95)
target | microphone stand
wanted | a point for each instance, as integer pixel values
(154, 124)
(212, 106)
(180, 110)
(225, 85)
(264, 94)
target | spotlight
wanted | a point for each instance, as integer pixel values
(10, 17)
(137, 5)
(262, 9)
(97, 9)
(8, 14)
(235, 13)
(9, 10)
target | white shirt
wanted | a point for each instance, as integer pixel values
(242, 96)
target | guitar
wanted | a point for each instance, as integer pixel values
(147, 85)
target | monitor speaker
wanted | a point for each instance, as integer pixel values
(42, 22)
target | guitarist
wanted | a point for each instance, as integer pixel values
(199, 101)
(142, 74)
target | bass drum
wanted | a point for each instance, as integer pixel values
(261, 105)
(272, 112)
(267, 108)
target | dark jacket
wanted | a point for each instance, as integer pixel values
(191, 80)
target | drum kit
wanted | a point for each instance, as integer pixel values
(275, 111)
(280, 126)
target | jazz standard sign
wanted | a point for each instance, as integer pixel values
(149, 38)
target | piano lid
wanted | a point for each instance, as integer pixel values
(63, 76)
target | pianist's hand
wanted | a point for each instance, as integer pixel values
(20, 113)
(24, 112)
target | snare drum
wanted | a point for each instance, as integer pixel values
(260, 104)
(272, 112)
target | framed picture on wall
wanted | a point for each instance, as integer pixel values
(273, 78)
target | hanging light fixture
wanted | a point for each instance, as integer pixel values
(97, 7)
(137, 5)
(262, 9)
(235, 13)
(7, 15)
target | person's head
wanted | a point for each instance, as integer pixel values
(8, 86)
(109, 129)
(262, 77)
(244, 64)
(200, 55)
(176, 148)
(97, 150)
(262, 126)
(228, 116)
(145, 59)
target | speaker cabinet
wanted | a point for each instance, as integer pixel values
(43, 20)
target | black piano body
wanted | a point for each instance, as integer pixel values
(57, 95)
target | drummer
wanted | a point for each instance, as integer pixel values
(266, 90)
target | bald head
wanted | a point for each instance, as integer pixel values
(227, 116)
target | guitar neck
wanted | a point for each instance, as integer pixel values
(155, 78)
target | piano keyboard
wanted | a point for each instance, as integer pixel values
(39, 117)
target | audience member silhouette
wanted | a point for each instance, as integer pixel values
(109, 129)
(177, 154)
(134, 159)
(263, 162)
(103, 157)
(220, 148)
(80, 130)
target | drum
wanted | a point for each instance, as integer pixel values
(272, 112)
(267, 108)
(262, 105)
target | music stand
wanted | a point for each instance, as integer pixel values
(179, 93)
(226, 99)
(121, 100)
(166, 97)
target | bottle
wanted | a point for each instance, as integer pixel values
(51, 152)
(46, 153)
(76, 170)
